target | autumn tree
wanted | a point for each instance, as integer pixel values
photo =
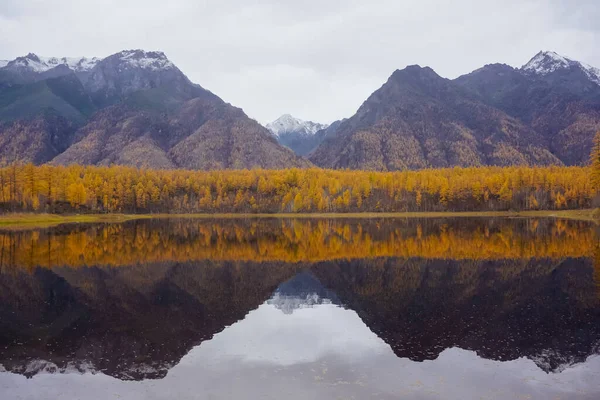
(595, 162)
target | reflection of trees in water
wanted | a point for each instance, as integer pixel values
(295, 240)
(503, 288)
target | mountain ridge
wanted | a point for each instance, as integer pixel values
(542, 113)
(134, 107)
(545, 113)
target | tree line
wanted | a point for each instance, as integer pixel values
(62, 189)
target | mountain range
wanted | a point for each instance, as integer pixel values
(137, 108)
(546, 112)
(132, 108)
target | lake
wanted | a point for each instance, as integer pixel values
(273, 308)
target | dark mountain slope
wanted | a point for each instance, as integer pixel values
(556, 97)
(38, 120)
(418, 119)
(36, 140)
(201, 133)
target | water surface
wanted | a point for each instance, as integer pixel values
(320, 309)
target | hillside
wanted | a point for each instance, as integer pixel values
(418, 119)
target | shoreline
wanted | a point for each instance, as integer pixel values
(32, 221)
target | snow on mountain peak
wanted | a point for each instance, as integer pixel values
(35, 63)
(150, 60)
(546, 62)
(153, 60)
(289, 124)
(592, 72)
(80, 64)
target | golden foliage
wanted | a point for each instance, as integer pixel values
(595, 161)
(295, 240)
(124, 189)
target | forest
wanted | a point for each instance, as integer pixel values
(118, 189)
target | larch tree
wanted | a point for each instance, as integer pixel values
(595, 161)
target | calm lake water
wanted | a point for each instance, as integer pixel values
(301, 309)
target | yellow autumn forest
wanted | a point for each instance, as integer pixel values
(60, 189)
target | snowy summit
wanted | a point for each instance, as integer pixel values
(35, 63)
(547, 62)
(288, 124)
(152, 60)
(147, 60)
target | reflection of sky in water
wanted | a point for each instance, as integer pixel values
(320, 352)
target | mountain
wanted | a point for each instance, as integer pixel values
(137, 108)
(554, 95)
(131, 108)
(546, 63)
(546, 112)
(418, 119)
(287, 124)
(296, 134)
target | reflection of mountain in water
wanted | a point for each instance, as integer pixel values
(302, 291)
(131, 323)
(545, 311)
(137, 321)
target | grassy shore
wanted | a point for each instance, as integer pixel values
(24, 220)
(28, 221)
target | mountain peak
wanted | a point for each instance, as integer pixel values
(547, 62)
(35, 63)
(152, 60)
(415, 73)
(289, 124)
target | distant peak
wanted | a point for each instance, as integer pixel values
(39, 64)
(290, 124)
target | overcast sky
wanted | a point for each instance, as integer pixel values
(314, 59)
